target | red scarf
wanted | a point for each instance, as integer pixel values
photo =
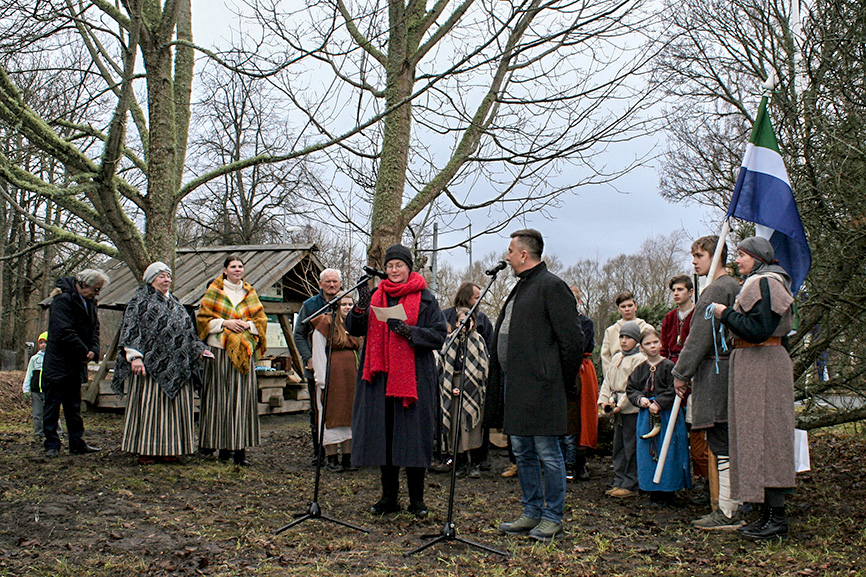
(386, 351)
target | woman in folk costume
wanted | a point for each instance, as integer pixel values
(464, 365)
(761, 388)
(651, 389)
(396, 392)
(233, 323)
(159, 349)
(341, 383)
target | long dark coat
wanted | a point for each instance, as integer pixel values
(545, 346)
(412, 433)
(73, 331)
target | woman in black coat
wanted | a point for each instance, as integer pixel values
(396, 392)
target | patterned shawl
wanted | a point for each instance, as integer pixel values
(386, 351)
(239, 346)
(475, 364)
(158, 327)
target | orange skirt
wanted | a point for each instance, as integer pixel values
(583, 411)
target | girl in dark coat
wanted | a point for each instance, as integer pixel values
(651, 389)
(396, 394)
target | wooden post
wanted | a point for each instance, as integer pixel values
(91, 393)
(290, 342)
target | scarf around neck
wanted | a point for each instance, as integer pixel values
(238, 346)
(158, 327)
(474, 366)
(387, 352)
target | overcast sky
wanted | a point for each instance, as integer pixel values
(599, 221)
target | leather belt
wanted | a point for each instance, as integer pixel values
(771, 342)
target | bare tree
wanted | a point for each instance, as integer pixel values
(123, 149)
(719, 53)
(240, 117)
(487, 102)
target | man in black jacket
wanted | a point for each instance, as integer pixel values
(534, 364)
(74, 328)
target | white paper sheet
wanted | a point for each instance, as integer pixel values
(385, 313)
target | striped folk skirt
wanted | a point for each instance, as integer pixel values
(155, 424)
(228, 417)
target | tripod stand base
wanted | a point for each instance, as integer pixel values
(449, 533)
(315, 512)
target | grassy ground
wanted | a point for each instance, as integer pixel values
(105, 515)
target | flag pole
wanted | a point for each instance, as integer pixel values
(768, 85)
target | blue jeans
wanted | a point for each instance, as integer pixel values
(543, 498)
(568, 446)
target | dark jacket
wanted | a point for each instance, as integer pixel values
(73, 331)
(412, 433)
(662, 382)
(545, 349)
(588, 329)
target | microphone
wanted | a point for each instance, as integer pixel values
(499, 266)
(375, 272)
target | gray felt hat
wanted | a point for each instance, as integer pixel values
(630, 329)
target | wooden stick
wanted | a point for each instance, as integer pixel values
(717, 257)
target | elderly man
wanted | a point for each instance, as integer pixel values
(74, 329)
(534, 363)
(330, 284)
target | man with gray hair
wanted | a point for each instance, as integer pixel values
(74, 328)
(330, 283)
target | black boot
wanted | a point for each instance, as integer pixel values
(240, 458)
(224, 455)
(415, 478)
(347, 463)
(756, 525)
(581, 473)
(776, 526)
(390, 489)
(334, 464)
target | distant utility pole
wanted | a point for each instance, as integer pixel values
(435, 280)
(470, 251)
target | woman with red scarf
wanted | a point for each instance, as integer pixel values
(395, 398)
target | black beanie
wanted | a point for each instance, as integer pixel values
(399, 252)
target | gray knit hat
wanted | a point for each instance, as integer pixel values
(153, 271)
(399, 252)
(630, 329)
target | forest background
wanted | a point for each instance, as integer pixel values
(355, 125)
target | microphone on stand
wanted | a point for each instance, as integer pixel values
(499, 266)
(375, 272)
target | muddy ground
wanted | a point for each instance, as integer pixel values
(103, 514)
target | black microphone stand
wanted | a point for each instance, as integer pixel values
(449, 530)
(314, 511)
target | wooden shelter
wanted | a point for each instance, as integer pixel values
(284, 276)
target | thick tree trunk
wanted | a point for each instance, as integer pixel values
(387, 219)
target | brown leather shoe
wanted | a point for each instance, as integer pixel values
(511, 471)
(620, 493)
